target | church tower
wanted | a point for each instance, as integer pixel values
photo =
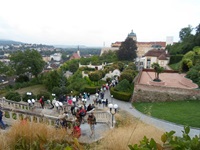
(132, 35)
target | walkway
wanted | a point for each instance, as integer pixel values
(160, 124)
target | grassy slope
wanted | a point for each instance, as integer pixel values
(180, 112)
(175, 66)
(36, 89)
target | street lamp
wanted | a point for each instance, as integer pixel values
(29, 98)
(111, 98)
(74, 100)
(113, 110)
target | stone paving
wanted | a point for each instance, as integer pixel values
(169, 79)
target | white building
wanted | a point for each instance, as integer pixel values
(159, 56)
(56, 56)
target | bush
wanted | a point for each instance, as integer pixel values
(14, 96)
(170, 142)
(124, 96)
(91, 90)
(123, 86)
(197, 59)
(194, 74)
(128, 76)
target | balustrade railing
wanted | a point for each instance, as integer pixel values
(17, 111)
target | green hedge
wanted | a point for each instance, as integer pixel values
(123, 96)
(91, 89)
(14, 96)
(175, 59)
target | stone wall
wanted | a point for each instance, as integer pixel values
(150, 93)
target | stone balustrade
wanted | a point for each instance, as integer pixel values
(14, 115)
(16, 111)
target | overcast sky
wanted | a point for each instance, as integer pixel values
(95, 22)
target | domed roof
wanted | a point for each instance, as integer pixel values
(132, 34)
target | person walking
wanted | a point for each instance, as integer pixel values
(91, 121)
(1, 121)
(42, 102)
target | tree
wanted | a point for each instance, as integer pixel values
(52, 80)
(5, 69)
(197, 36)
(185, 33)
(29, 61)
(127, 50)
(158, 69)
(95, 76)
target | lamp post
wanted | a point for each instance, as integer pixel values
(111, 98)
(113, 110)
(74, 100)
(29, 98)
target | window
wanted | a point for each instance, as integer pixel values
(148, 62)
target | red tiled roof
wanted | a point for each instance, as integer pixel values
(162, 57)
(75, 56)
(163, 44)
(157, 53)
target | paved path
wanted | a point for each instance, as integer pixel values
(160, 124)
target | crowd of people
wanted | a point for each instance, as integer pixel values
(81, 105)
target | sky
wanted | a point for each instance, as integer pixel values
(95, 22)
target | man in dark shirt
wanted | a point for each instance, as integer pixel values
(1, 121)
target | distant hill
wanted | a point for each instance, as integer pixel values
(9, 42)
(70, 46)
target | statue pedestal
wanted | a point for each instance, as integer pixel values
(161, 83)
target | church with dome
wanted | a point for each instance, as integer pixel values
(132, 35)
(147, 52)
(143, 47)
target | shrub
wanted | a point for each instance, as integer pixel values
(123, 86)
(14, 96)
(91, 90)
(194, 74)
(124, 96)
(126, 75)
(170, 142)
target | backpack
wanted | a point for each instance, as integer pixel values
(82, 113)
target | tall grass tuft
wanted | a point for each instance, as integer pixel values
(36, 136)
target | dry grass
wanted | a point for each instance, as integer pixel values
(129, 131)
(32, 132)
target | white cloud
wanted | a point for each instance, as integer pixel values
(93, 22)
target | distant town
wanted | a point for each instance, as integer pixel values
(54, 56)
